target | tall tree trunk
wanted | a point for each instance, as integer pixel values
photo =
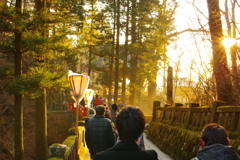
(18, 107)
(117, 54)
(90, 46)
(112, 55)
(233, 49)
(40, 103)
(234, 54)
(220, 67)
(227, 18)
(111, 82)
(89, 60)
(41, 127)
(133, 55)
(125, 58)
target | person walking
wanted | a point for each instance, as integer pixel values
(97, 101)
(114, 112)
(91, 113)
(215, 144)
(108, 113)
(130, 125)
(100, 134)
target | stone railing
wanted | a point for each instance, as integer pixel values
(194, 117)
(67, 149)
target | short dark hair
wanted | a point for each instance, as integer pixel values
(114, 106)
(100, 110)
(214, 133)
(130, 123)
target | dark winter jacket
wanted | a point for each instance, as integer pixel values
(126, 150)
(217, 152)
(100, 134)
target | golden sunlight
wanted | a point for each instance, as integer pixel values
(228, 42)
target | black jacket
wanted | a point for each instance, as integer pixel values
(100, 134)
(126, 150)
(217, 152)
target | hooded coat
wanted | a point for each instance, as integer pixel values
(217, 152)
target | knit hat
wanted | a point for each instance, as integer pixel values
(91, 111)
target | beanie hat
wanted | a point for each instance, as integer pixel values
(92, 111)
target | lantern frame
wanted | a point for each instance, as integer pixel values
(79, 84)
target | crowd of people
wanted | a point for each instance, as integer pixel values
(117, 134)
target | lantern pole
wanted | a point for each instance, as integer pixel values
(79, 84)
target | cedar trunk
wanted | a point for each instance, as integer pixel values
(18, 106)
(133, 68)
(220, 67)
(117, 54)
(40, 104)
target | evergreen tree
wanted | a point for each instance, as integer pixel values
(157, 23)
(41, 37)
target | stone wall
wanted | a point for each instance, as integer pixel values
(181, 143)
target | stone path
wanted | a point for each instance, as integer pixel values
(151, 145)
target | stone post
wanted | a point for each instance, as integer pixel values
(214, 114)
(234, 122)
(72, 131)
(178, 105)
(175, 112)
(155, 105)
(190, 116)
(170, 86)
(57, 150)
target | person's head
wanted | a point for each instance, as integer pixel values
(114, 106)
(91, 111)
(108, 114)
(214, 133)
(100, 110)
(130, 123)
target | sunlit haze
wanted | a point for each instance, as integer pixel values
(191, 54)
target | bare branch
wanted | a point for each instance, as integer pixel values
(188, 30)
(237, 3)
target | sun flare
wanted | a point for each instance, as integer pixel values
(228, 42)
